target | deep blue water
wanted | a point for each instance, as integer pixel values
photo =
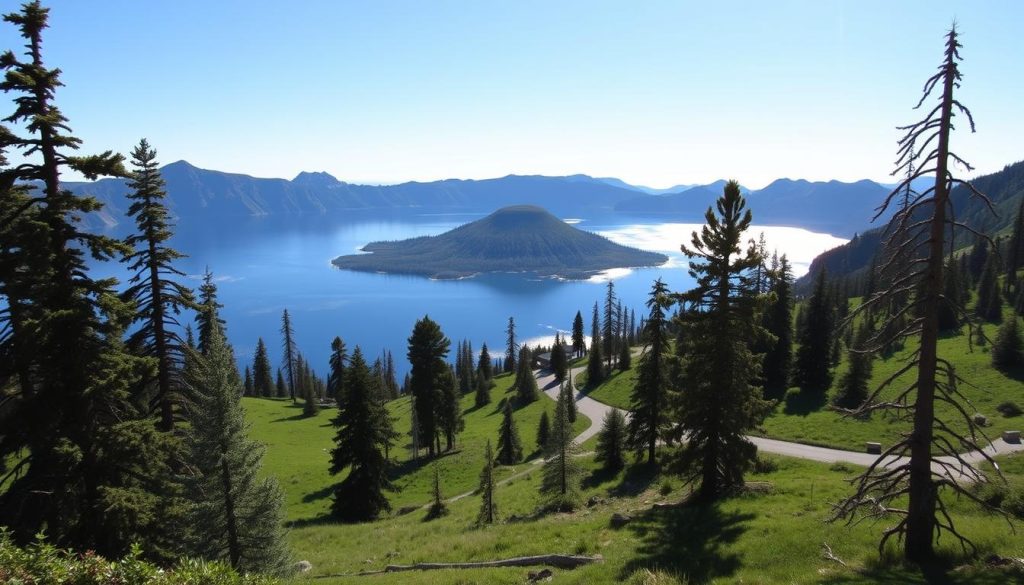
(264, 265)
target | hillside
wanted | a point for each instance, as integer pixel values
(1005, 189)
(521, 238)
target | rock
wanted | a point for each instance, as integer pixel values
(303, 567)
(1011, 436)
(619, 520)
(542, 575)
(873, 448)
(980, 419)
(594, 501)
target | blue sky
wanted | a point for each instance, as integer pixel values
(655, 93)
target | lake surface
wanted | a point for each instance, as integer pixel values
(264, 265)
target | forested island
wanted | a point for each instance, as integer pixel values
(521, 238)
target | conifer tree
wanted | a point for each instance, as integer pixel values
(263, 380)
(952, 299)
(364, 433)
(450, 415)
(208, 312)
(648, 401)
(559, 361)
(611, 441)
(853, 388)
(525, 383)
(488, 508)
(610, 325)
(721, 402)
(482, 395)
(428, 348)
(336, 377)
(543, 431)
(565, 394)
(511, 347)
(990, 302)
(1006, 350)
(484, 364)
(438, 507)
(560, 481)
(510, 450)
(595, 367)
(280, 388)
(247, 387)
(778, 321)
(237, 513)
(290, 353)
(625, 357)
(157, 296)
(813, 372)
(1015, 252)
(579, 341)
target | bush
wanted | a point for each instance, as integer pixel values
(41, 562)
(765, 465)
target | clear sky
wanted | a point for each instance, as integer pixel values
(655, 93)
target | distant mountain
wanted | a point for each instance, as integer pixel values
(521, 238)
(1005, 190)
(195, 192)
(834, 207)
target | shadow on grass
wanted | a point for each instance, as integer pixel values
(301, 415)
(687, 540)
(891, 570)
(319, 520)
(1015, 373)
(800, 403)
(319, 494)
(635, 481)
(412, 465)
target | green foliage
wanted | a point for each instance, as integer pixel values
(483, 366)
(559, 359)
(778, 321)
(990, 299)
(543, 432)
(236, 513)
(853, 387)
(482, 395)
(560, 482)
(438, 508)
(511, 347)
(719, 402)
(1006, 350)
(567, 398)
(595, 366)
(488, 507)
(611, 441)
(510, 449)
(649, 417)
(263, 380)
(525, 384)
(364, 433)
(290, 352)
(428, 348)
(450, 412)
(813, 372)
(579, 342)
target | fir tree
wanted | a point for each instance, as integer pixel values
(990, 302)
(208, 312)
(450, 414)
(625, 357)
(611, 441)
(364, 433)
(290, 353)
(648, 401)
(280, 388)
(543, 431)
(484, 364)
(488, 508)
(778, 321)
(1006, 350)
(952, 298)
(263, 379)
(610, 325)
(438, 508)
(525, 383)
(565, 395)
(813, 373)
(482, 396)
(595, 369)
(560, 481)
(237, 513)
(853, 387)
(720, 403)
(579, 341)
(510, 450)
(559, 360)
(158, 298)
(336, 377)
(511, 347)
(247, 387)
(428, 348)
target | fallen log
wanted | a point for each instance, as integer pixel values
(557, 561)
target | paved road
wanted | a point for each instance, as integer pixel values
(596, 411)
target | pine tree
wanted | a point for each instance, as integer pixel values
(721, 402)
(525, 383)
(625, 357)
(952, 298)
(560, 481)
(813, 373)
(853, 388)
(1006, 350)
(208, 312)
(565, 395)
(450, 414)
(579, 342)
(990, 302)
(778, 321)
(280, 388)
(610, 325)
(290, 353)
(428, 348)
(648, 401)
(559, 361)
(484, 364)
(543, 431)
(482, 395)
(510, 450)
(263, 380)
(156, 295)
(336, 378)
(488, 508)
(248, 388)
(595, 367)
(364, 433)
(611, 441)
(438, 508)
(511, 347)
(237, 513)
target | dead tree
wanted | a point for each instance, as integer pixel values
(925, 465)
